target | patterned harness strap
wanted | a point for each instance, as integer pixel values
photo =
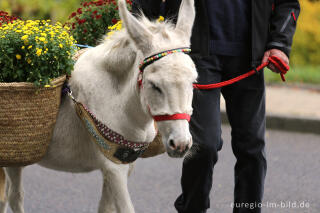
(113, 145)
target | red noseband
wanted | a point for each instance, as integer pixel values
(179, 116)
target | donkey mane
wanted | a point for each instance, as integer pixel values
(120, 52)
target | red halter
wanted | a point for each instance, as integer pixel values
(179, 116)
(149, 60)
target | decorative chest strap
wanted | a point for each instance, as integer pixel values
(110, 143)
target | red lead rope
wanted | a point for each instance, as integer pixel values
(277, 62)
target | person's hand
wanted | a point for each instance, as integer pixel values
(279, 54)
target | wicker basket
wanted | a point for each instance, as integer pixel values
(27, 119)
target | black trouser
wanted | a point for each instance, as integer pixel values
(245, 106)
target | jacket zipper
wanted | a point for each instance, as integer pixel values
(285, 24)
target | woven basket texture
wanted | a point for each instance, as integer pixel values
(27, 119)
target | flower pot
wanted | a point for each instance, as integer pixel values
(27, 118)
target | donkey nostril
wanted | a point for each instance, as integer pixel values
(171, 144)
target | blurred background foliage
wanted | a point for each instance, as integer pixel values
(56, 10)
(306, 45)
(305, 50)
(305, 54)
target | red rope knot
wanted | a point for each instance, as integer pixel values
(280, 65)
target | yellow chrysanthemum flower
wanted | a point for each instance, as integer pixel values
(18, 56)
(114, 28)
(39, 51)
(160, 19)
(25, 37)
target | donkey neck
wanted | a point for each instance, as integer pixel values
(118, 103)
(135, 110)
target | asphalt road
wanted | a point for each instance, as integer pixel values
(293, 176)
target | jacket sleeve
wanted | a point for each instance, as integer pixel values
(283, 25)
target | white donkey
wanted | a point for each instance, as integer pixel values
(105, 80)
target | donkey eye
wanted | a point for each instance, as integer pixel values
(154, 87)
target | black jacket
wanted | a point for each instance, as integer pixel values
(273, 24)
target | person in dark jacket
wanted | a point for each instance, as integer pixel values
(229, 38)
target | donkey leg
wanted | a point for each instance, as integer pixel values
(115, 190)
(15, 189)
(4, 202)
(4, 186)
(106, 204)
(131, 167)
(3, 206)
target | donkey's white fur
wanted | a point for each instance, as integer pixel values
(105, 80)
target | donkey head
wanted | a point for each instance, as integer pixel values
(167, 83)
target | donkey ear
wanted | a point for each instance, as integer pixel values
(138, 33)
(186, 17)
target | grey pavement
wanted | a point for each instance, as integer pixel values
(293, 176)
(291, 108)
